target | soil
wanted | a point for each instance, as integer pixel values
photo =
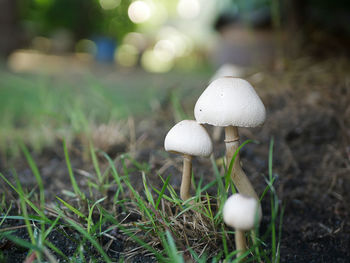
(308, 109)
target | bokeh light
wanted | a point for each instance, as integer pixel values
(139, 11)
(86, 46)
(135, 39)
(159, 14)
(188, 9)
(182, 43)
(109, 4)
(156, 62)
(127, 55)
(164, 49)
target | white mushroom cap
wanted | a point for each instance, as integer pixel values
(228, 70)
(230, 102)
(188, 137)
(240, 212)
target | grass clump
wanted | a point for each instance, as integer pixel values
(154, 223)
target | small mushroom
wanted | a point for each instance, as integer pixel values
(242, 213)
(228, 70)
(190, 139)
(232, 102)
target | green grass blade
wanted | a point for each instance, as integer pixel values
(202, 259)
(5, 216)
(164, 196)
(140, 203)
(161, 193)
(48, 231)
(221, 187)
(89, 220)
(39, 180)
(95, 163)
(131, 234)
(57, 250)
(36, 173)
(172, 250)
(115, 174)
(36, 209)
(71, 174)
(267, 188)
(278, 258)
(87, 236)
(224, 241)
(73, 209)
(147, 190)
(25, 213)
(32, 218)
(19, 241)
(273, 205)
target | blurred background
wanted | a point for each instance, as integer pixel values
(158, 36)
(117, 74)
(67, 63)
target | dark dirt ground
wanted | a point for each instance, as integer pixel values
(308, 109)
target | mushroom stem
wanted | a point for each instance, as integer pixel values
(186, 177)
(240, 241)
(238, 176)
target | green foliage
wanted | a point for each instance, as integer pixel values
(84, 18)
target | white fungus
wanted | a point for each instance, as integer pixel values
(188, 137)
(230, 101)
(241, 212)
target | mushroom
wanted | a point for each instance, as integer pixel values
(190, 139)
(242, 213)
(228, 70)
(231, 102)
(225, 70)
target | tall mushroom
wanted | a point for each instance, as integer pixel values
(231, 102)
(190, 139)
(226, 70)
(242, 213)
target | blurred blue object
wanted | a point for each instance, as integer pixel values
(105, 49)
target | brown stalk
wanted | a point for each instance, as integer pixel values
(238, 176)
(186, 178)
(240, 241)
